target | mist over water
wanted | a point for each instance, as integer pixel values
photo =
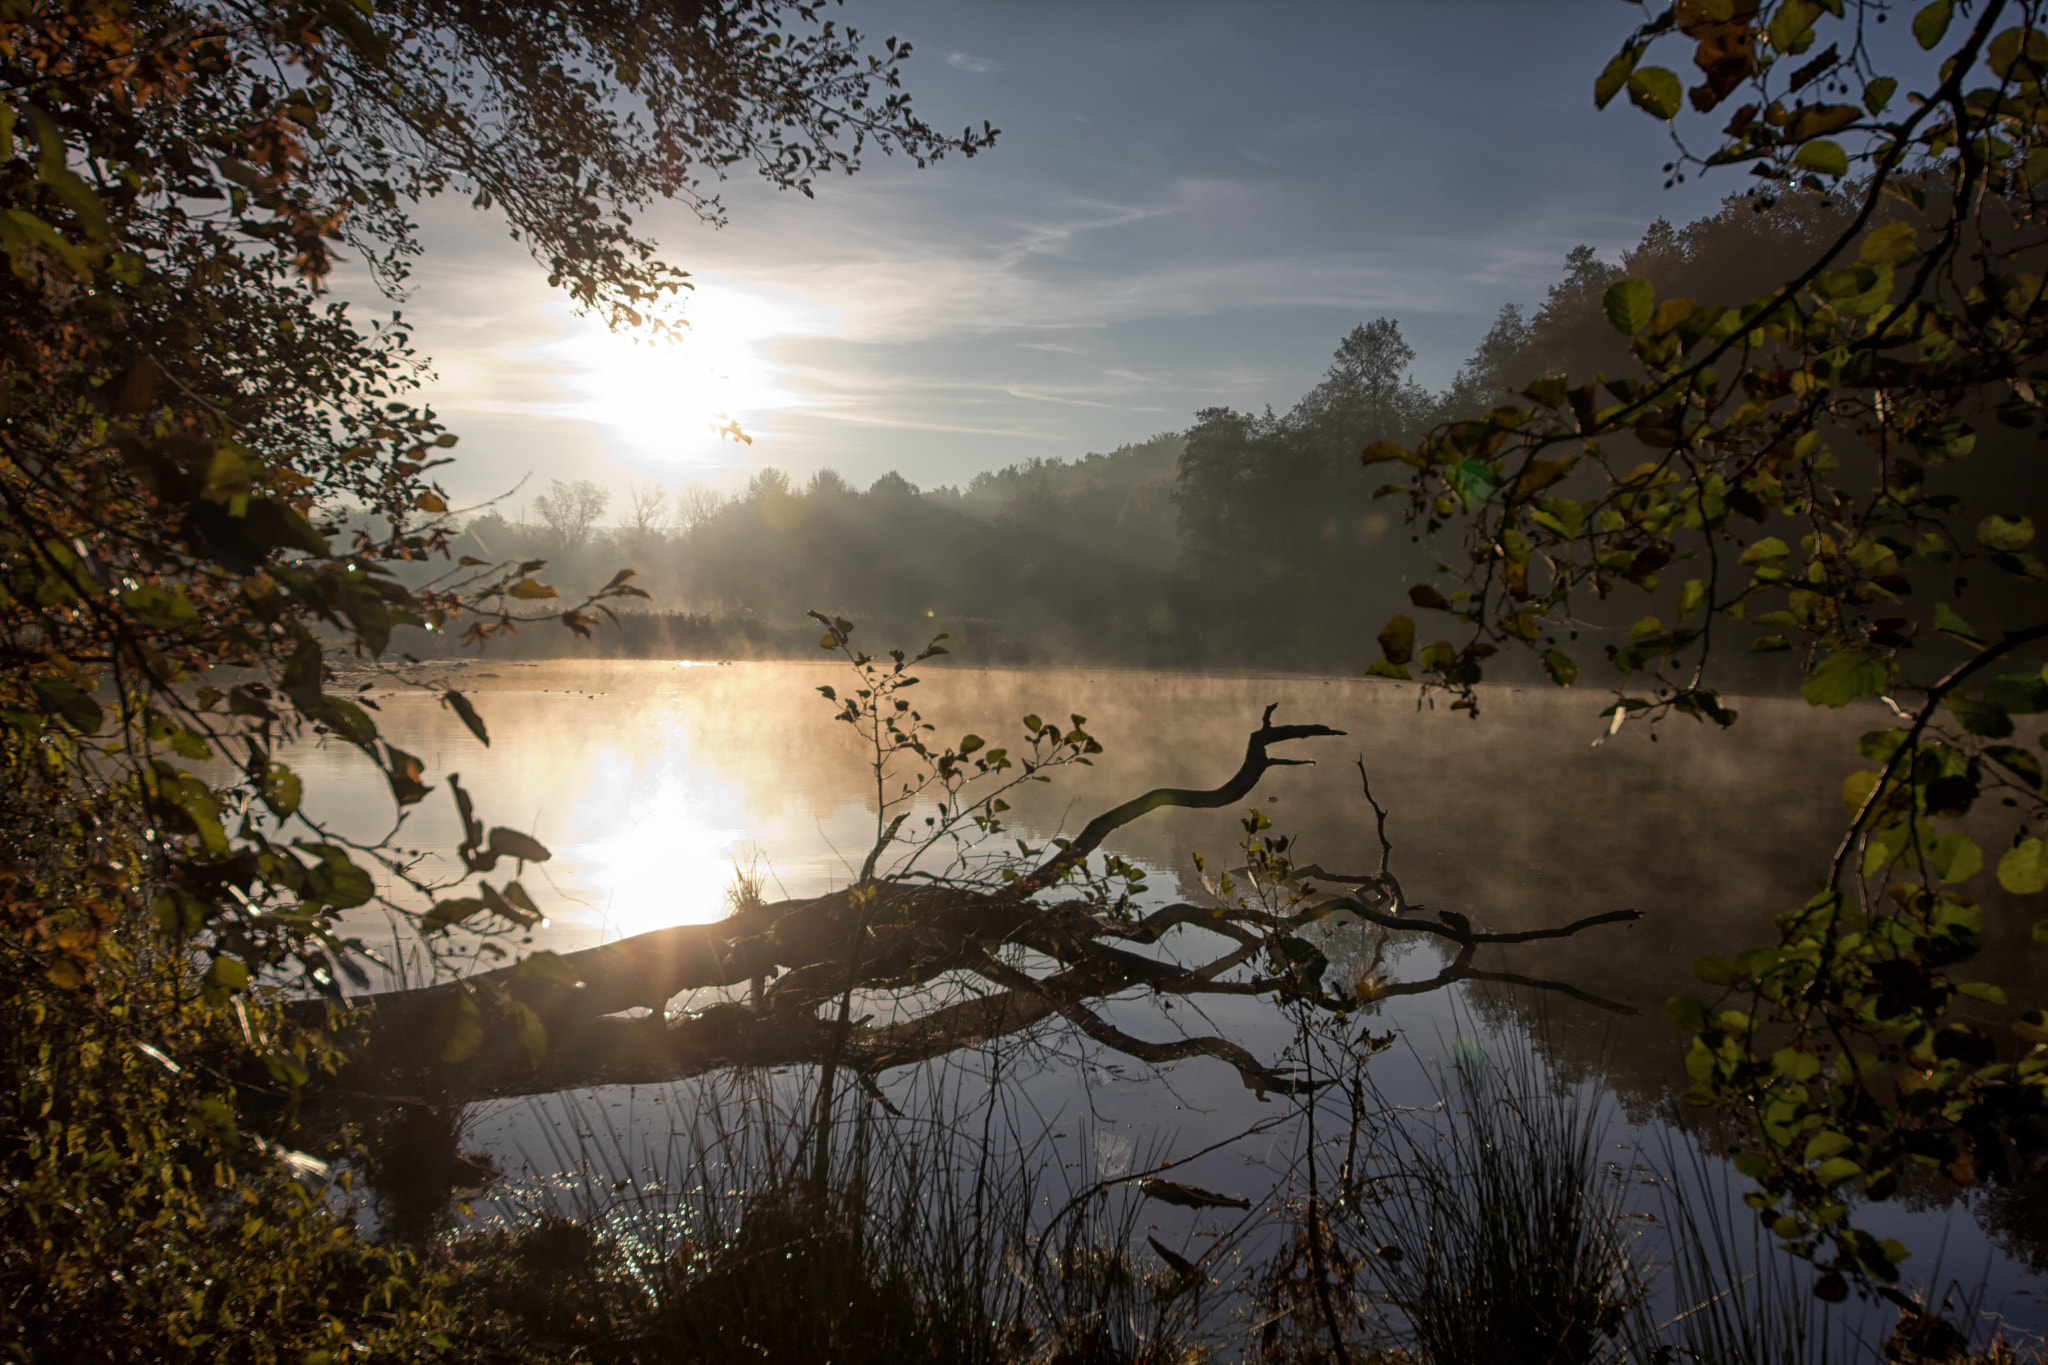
(655, 782)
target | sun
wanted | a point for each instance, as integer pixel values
(671, 398)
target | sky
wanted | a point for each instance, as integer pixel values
(1189, 205)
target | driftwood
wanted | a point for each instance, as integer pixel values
(554, 1022)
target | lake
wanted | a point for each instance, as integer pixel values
(654, 783)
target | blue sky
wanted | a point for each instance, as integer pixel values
(1189, 205)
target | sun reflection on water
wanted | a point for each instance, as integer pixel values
(650, 849)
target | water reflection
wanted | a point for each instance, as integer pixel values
(654, 784)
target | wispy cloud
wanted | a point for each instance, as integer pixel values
(1182, 212)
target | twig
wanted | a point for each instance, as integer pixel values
(1386, 849)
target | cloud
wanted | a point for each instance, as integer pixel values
(1179, 214)
(1031, 396)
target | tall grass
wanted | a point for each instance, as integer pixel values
(923, 1242)
(1492, 1228)
(1727, 1294)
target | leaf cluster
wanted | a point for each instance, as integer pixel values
(1779, 471)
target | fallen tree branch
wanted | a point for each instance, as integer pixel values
(1257, 762)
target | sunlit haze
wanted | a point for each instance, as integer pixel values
(1188, 206)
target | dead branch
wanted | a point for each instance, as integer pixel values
(900, 936)
(1257, 762)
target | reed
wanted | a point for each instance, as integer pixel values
(1492, 1228)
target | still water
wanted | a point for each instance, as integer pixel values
(655, 783)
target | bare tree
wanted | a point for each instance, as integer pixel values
(648, 513)
(695, 505)
(571, 509)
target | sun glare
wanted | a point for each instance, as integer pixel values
(670, 398)
(656, 862)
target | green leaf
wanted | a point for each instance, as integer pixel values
(1878, 94)
(533, 1033)
(519, 912)
(2017, 761)
(1397, 639)
(1615, 75)
(1685, 1013)
(2011, 536)
(77, 710)
(1825, 1144)
(1471, 478)
(1563, 670)
(302, 675)
(1949, 622)
(1655, 91)
(1765, 550)
(1629, 304)
(281, 790)
(1380, 668)
(1835, 1170)
(1791, 27)
(460, 705)
(2023, 870)
(1931, 23)
(510, 843)
(1823, 156)
(1845, 675)
(1381, 451)
(1955, 858)
(1716, 971)
(346, 719)
(1892, 244)
(2019, 694)
(448, 912)
(1978, 717)
(1691, 596)
(335, 880)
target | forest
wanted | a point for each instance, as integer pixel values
(1245, 540)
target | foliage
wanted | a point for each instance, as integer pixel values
(964, 785)
(184, 410)
(1791, 470)
(186, 427)
(150, 1214)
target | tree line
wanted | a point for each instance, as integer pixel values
(1246, 539)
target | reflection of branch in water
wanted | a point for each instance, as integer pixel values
(551, 1022)
(1257, 1076)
